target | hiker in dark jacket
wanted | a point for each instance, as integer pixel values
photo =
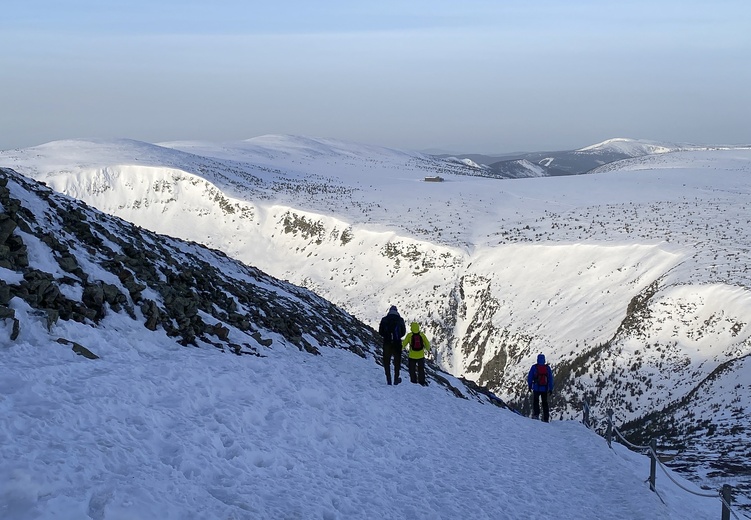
(540, 382)
(392, 329)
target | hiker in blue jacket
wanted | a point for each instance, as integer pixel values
(540, 382)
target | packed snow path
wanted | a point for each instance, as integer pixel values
(157, 431)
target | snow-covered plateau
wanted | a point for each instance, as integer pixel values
(633, 279)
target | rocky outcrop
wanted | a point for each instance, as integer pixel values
(195, 295)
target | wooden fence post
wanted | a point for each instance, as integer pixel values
(652, 463)
(610, 428)
(727, 498)
(585, 409)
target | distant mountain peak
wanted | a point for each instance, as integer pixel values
(465, 162)
(628, 146)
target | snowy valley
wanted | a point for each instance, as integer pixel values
(633, 279)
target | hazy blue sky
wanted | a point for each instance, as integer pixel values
(474, 76)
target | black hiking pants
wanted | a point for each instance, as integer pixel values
(417, 370)
(536, 396)
(392, 350)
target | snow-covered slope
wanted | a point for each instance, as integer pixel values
(629, 280)
(515, 169)
(129, 423)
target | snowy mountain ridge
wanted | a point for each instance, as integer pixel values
(634, 282)
(588, 158)
(633, 147)
(466, 162)
(643, 147)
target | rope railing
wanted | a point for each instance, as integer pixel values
(630, 445)
(724, 494)
(665, 470)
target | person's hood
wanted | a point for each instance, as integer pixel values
(415, 327)
(540, 359)
(392, 310)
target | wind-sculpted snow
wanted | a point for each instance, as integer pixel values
(629, 279)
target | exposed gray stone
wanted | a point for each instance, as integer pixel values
(16, 330)
(220, 331)
(151, 312)
(68, 263)
(7, 226)
(78, 348)
(52, 316)
(5, 293)
(263, 342)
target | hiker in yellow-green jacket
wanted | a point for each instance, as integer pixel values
(417, 344)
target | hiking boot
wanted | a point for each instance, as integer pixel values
(398, 380)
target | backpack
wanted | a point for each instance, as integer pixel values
(395, 336)
(542, 376)
(415, 343)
